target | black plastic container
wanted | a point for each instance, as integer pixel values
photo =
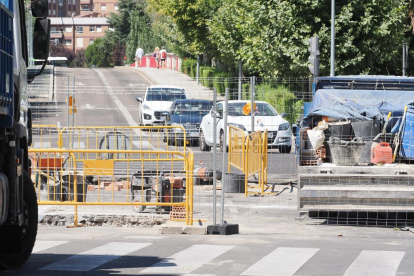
(367, 130)
(341, 130)
(234, 183)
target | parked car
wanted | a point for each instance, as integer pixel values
(156, 103)
(188, 114)
(266, 117)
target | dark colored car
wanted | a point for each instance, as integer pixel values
(187, 114)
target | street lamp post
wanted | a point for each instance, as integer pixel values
(333, 38)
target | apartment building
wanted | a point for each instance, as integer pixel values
(77, 33)
(64, 8)
(98, 8)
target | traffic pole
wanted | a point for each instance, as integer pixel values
(223, 178)
(214, 156)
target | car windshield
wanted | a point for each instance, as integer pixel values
(195, 108)
(165, 94)
(263, 109)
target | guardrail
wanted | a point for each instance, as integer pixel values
(249, 154)
(141, 178)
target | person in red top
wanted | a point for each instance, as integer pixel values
(163, 54)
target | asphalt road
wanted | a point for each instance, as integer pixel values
(283, 249)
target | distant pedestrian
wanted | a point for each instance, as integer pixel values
(163, 53)
(157, 56)
(138, 56)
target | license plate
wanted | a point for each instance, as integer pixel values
(193, 134)
(269, 135)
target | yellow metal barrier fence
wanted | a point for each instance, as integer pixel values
(249, 154)
(110, 137)
(140, 179)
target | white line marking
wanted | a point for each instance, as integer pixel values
(43, 245)
(41, 145)
(91, 259)
(120, 105)
(87, 106)
(145, 145)
(145, 237)
(232, 207)
(283, 261)
(187, 260)
(376, 263)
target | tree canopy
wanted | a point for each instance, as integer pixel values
(271, 37)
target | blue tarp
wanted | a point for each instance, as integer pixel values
(357, 104)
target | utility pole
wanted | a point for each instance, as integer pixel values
(333, 38)
(404, 59)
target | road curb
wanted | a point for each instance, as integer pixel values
(189, 230)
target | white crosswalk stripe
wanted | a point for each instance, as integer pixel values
(187, 260)
(43, 245)
(375, 263)
(98, 256)
(283, 261)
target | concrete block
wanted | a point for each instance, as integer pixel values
(91, 188)
(195, 230)
(125, 184)
(114, 187)
(171, 230)
(225, 229)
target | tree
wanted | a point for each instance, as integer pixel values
(99, 53)
(270, 37)
(80, 60)
(61, 51)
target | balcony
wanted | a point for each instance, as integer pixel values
(56, 34)
(86, 2)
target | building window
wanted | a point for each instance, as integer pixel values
(99, 29)
(50, 13)
(74, 2)
(68, 29)
(68, 41)
(48, 1)
(93, 7)
(54, 12)
(60, 2)
(103, 7)
(69, 2)
(79, 30)
(92, 29)
(85, 7)
(68, 13)
(91, 41)
(79, 42)
(116, 7)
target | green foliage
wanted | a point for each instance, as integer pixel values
(270, 37)
(281, 99)
(99, 53)
(246, 91)
(207, 76)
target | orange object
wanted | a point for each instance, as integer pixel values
(381, 154)
(51, 163)
(247, 108)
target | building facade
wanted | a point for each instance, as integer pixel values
(77, 33)
(98, 8)
(64, 8)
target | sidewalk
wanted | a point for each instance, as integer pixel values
(175, 78)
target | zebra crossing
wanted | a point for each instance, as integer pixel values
(282, 261)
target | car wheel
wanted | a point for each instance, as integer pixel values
(202, 142)
(222, 142)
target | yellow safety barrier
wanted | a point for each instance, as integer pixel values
(45, 135)
(249, 154)
(67, 177)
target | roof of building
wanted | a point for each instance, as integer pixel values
(79, 21)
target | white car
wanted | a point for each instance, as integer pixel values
(266, 117)
(156, 103)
